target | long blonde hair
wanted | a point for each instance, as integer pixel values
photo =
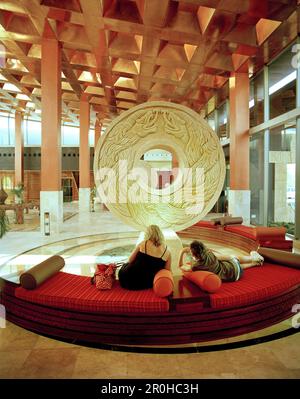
(154, 234)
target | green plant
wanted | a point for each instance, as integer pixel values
(19, 191)
(93, 195)
(4, 223)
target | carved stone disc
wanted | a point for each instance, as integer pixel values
(122, 178)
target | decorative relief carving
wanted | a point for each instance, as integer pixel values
(182, 132)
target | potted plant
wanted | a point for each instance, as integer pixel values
(3, 193)
(19, 192)
(93, 195)
(4, 223)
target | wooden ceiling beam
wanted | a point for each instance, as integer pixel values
(94, 26)
(38, 16)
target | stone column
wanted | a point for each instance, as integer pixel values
(84, 157)
(239, 194)
(51, 195)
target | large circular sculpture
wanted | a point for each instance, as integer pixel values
(122, 178)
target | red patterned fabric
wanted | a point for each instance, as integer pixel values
(246, 231)
(257, 284)
(69, 291)
(269, 237)
(105, 276)
(286, 245)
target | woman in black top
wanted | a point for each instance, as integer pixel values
(150, 256)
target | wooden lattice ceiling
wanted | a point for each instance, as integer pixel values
(119, 53)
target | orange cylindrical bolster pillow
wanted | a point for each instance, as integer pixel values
(280, 257)
(163, 283)
(270, 233)
(207, 281)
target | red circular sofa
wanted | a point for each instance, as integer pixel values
(67, 306)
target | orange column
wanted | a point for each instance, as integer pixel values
(84, 150)
(19, 149)
(51, 115)
(97, 131)
(51, 195)
(84, 157)
(239, 131)
(239, 194)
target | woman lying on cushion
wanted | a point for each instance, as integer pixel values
(150, 256)
(228, 268)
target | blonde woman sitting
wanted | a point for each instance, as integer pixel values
(150, 256)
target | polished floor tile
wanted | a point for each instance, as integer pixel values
(153, 366)
(12, 361)
(49, 363)
(287, 351)
(24, 354)
(94, 363)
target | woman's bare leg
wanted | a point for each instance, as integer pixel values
(247, 265)
(248, 261)
(244, 259)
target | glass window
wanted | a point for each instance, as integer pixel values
(256, 102)
(4, 137)
(257, 178)
(33, 134)
(282, 84)
(70, 135)
(222, 120)
(282, 166)
(211, 120)
(91, 137)
(7, 183)
(11, 129)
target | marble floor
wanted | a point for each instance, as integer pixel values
(24, 354)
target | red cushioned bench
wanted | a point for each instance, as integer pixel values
(256, 285)
(270, 237)
(206, 223)
(69, 291)
(67, 306)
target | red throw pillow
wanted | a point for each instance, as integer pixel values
(207, 281)
(163, 283)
